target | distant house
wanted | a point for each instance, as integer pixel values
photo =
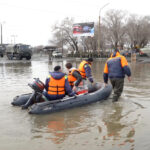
(50, 48)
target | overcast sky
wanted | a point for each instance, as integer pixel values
(30, 21)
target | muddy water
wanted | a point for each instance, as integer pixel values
(124, 125)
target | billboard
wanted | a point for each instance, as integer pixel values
(83, 29)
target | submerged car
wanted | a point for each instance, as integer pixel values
(145, 51)
(57, 54)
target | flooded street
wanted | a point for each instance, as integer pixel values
(124, 125)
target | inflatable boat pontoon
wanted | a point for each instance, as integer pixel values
(97, 93)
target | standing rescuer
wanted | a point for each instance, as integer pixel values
(115, 69)
(85, 69)
(74, 76)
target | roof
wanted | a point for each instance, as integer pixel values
(50, 47)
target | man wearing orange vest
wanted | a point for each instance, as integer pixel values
(74, 77)
(57, 85)
(115, 69)
(85, 69)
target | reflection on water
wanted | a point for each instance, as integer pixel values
(112, 121)
(7, 69)
(57, 128)
(119, 132)
(63, 124)
(106, 125)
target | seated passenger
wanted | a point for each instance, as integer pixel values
(57, 85)
(74, 77)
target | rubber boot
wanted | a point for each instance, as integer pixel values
(29, 102)
(115, 99)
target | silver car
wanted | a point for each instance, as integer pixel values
(57, 54)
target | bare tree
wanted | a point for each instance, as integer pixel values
(63, 34)
(115, 23)
(117, 27)
(138, 30)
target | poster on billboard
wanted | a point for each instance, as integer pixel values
(83, 29)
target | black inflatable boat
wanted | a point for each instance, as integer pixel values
(98, 92)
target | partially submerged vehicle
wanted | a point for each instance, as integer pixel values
(57, 54)
(19, 51)
(145, 51)
(96, 92)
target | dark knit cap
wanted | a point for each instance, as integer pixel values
(89, 59)
(116, 50)
(57, 68)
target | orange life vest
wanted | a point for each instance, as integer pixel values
(56, 87)
(81, 68)
(71, 78)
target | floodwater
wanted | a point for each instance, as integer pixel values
(124, 125)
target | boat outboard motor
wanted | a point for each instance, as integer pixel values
(38, 87)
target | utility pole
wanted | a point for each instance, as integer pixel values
(99, 23)
(1, 24)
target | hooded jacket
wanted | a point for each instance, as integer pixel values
(63, 88)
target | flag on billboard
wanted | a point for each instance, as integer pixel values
(83, 29)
